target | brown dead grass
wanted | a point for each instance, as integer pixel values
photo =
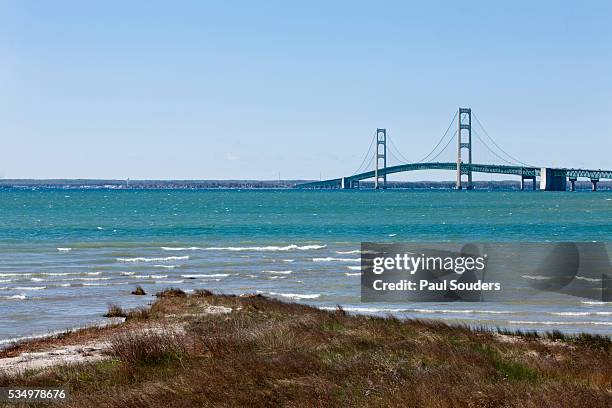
(270, 353)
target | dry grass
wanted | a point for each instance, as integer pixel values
(115, 311)
(270, 353)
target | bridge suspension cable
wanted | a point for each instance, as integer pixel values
(366, 156)
(491, 150)
(393, 146)
(440, 141)
(498, 146)
(444, 148)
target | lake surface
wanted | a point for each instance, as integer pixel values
(66, 254)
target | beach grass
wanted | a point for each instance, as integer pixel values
(207, 350)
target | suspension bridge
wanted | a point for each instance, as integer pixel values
(550, 179)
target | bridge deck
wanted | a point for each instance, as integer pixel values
(465, 168)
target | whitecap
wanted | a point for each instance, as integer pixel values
(214, 275)
(148, 276)
(142, 259)
(588, 279)
(278, 272)
(14, 297)
(16, 274)
(594, 302)
(30, 287)
(352, 274)
(127, 273)
(355, 251)
(552, 323)
(536, 277)
(296, 295)
(354, 268)
(330, 259)
(64, 249)
(268, 248)
(106, 284)
(166, 266)
(193, 248)
(164, 282)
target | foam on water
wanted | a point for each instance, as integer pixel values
(143, 259)
(331, 259)
(271, 248)
(214, 275)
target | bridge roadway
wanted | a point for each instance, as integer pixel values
(524, 172)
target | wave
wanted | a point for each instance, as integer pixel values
(296, 295)
(193, 248)
(213, 275)
(277, 277)
(269, 248)
(354, 251)
(64, 249)
(536, 277)
(126, 273)
(461, 311)
(106, 284)
(352, 274)
(164, 282)
(14, 297)
(166, 266)
(278, 272)
(6, 280)
(581, 313)
(148, 276)
(595, 302)
(29, 288)
(588, 279)
(288, 260)
(142, 259)
(84, 279)
(354, 268)
(330, 259)
(365, 309)
(551, 323)
(15, 274)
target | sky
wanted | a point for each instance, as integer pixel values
(258, 90)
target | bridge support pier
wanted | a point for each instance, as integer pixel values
(594, 182)
(346, 184)
(533, 182)
(572, 181)
(553, 179)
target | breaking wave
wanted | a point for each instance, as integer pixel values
(142, 259)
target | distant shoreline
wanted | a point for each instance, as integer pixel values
(504, 185)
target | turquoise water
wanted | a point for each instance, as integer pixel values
(66, 254)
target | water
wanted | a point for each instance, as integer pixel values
(66, 254)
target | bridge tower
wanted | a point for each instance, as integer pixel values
(381, 155)
(464, 141)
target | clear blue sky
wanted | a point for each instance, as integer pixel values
(231, 89)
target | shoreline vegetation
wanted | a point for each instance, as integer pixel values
(209, 350)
